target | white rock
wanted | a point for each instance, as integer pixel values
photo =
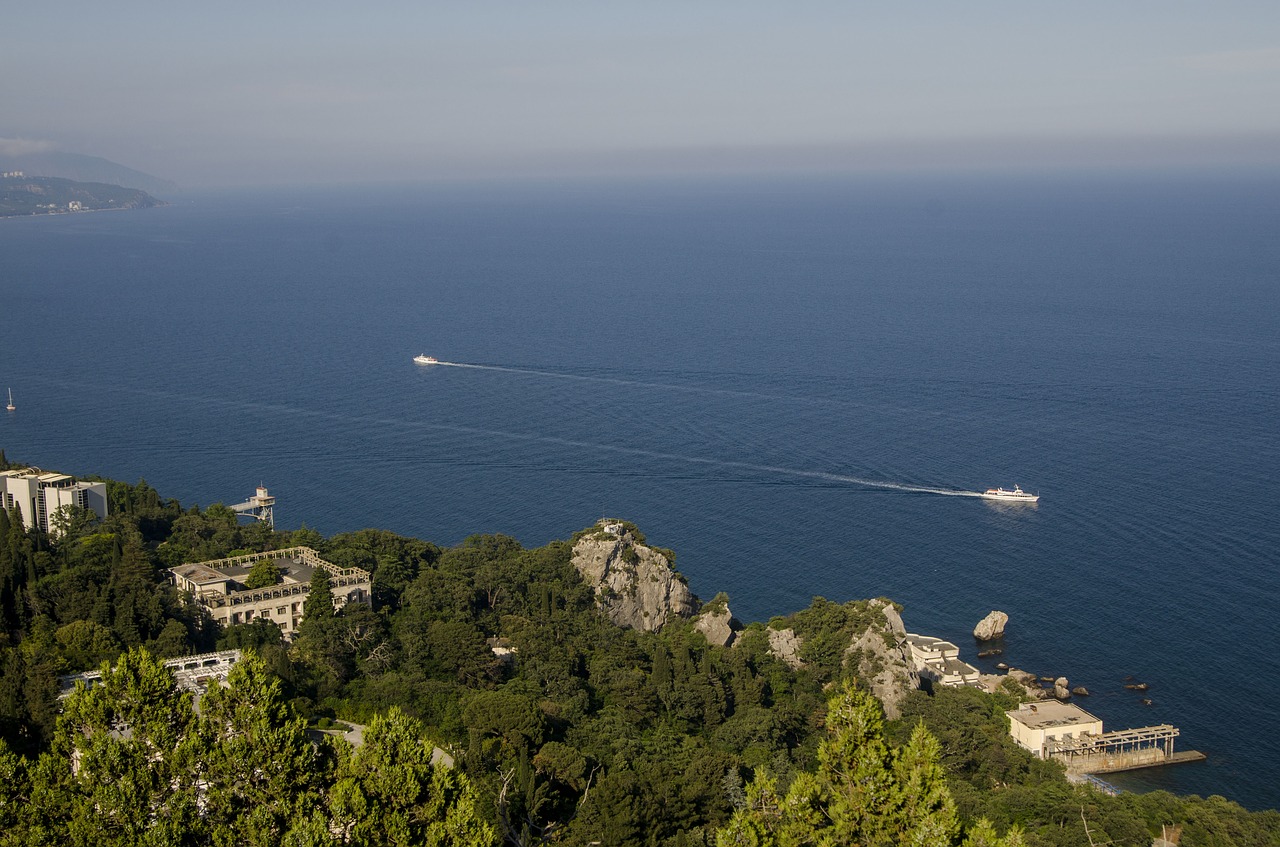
(992, 626)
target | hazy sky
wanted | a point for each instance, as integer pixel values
(232, 92)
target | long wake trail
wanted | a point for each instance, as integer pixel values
(663, 386)
(299, 411)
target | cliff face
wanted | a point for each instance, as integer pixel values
(635, 584)
(884, 659)
(876, 651)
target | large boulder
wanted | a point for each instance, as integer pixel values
(717, 623)
(635, 584)
(991, 627)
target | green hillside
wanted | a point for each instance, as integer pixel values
(44, 195)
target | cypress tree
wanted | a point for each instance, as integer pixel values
(319, 603)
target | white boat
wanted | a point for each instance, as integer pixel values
(1017, 495)
(11, 407)
(426, 360)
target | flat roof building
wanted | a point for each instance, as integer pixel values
(219, 586)
(938, 661)
(1034, 725)
(38, 495)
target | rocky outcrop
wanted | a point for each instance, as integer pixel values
(785, 645)
(991, 627)
(1029, 682)
(717, 623)
(635, 584)
(1061, 688)
(1080, 691)
(883, 658)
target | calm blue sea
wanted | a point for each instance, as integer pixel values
(728, 364)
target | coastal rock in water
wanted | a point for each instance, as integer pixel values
(785, 645)
(635, 585)
(1061, 689)
(991, 627)
(717, 623)
(1080, 691)
(881, 657)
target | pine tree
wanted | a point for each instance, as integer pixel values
(863, 792)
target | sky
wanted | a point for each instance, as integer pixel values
(233, 92)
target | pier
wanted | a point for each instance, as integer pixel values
(1124, 750)
(1067, 733)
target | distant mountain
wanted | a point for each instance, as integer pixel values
(84, 169)
(47, 195)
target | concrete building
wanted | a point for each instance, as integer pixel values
(939, 662)
(219, 585)
(1043, 726)
(191, 673)
(39, 495)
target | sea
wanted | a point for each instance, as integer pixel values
(798, 384)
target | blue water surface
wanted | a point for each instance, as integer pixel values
(767, 376)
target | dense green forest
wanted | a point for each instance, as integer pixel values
(593, 734)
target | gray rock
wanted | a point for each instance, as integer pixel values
(1080, 691)
(1029, 682)
(635, 585)
(1061, 689)
(785, 645)
(991, 627)
(717, 623)
(884, 659)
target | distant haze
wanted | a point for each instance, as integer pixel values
(232, 93)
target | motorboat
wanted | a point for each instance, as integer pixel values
(1017, 495)
(426, 360)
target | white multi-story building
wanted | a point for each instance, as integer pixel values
(939, 662)
(39, 495)
(219, 585)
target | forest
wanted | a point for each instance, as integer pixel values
(593, 734)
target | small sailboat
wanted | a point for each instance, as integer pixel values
(11, 407)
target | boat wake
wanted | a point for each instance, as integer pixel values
(315, 414)
(668, 386)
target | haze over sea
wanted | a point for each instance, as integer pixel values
(729, 364)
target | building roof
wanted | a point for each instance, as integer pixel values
(199, 574)
(1051, 713)
(928, 642)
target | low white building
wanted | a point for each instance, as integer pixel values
(219, 585)
(38, 496)
(1034, 725)
(939, 662)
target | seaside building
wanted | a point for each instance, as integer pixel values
(1044, 726)
(39, 495)
(938, 662)
(219, 586)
